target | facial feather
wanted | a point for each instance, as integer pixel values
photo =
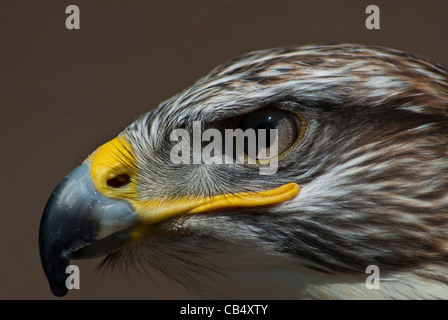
(372, 165)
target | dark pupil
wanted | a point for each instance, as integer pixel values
(267, 125)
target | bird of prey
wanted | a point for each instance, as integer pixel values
(361, 181)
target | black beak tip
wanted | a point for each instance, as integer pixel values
(58, 289)
(54, 264)
(56, 276)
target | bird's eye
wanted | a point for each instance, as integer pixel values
(275, 131)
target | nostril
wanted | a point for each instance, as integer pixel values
(119, 181)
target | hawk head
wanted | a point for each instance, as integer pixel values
(360, 179)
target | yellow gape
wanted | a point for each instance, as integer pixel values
(115, 161)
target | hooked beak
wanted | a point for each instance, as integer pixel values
(77, 215)
(96, 210)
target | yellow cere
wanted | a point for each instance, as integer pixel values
(109, 161)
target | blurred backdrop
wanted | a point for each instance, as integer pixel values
(65, 92)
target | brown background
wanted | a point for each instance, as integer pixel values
(65, 92)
